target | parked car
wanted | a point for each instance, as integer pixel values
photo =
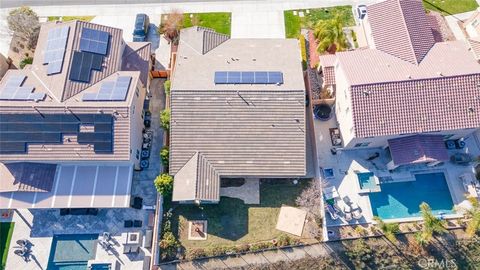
(361, 11)
(141, 27)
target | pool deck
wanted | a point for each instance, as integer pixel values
(346, 163)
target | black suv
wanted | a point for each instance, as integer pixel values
(141, 27)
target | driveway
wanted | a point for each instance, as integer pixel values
(252, 23)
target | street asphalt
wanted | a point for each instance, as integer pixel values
(18, 3)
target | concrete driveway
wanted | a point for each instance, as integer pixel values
(258, 24)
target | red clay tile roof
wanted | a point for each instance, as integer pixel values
(418, 149)
(328, 75)
(400, 28)
(415, 106)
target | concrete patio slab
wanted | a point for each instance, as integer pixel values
(249, 192)
(291, 220)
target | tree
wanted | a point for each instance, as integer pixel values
(165, 119)
(330, 35)
(388, 229)
(164, 184)
(172, 25)
(473, 216)
(311, 198)
(26, 61)
(164, 155)
(169, 244)
(431, 224)
(24, 22)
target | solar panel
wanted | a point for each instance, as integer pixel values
(221, 77)
(19, 130)
(94, 41)
(55, 49)
(111, 90)
(275, 77)
(248, 77)
(82, 65)
(13, 90)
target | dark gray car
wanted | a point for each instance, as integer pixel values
(141, 27)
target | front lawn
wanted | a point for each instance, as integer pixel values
(219, 21)
(231, 222)
(293, 23)
(70, 18)
(6, 230)
(449, 7)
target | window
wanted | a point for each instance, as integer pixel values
(137, 92)
(364, 144)
(133, 109)
(138, 154)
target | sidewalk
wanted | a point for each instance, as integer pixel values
(246, 260)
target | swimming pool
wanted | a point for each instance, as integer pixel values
(366, 180)
(402, 199)
(72, 251)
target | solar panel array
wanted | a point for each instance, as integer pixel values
(19, 130)
(94, 41)
(13, 90)
(111, 90)
(55, 51)
(248, 77)
(82, 65)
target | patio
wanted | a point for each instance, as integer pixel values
(346, 164)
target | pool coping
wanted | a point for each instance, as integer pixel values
(419, 218)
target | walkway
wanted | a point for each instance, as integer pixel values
(250, 259)
(249, 192)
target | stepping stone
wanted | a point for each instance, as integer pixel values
(295, 13)
(301, 14)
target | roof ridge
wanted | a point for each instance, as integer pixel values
(410, 43)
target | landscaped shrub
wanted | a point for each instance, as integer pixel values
(164, 184)
(169, 245)
(303, 49)
(360, 254)
(284, 240)
(165, 119)
(166, 87)
(216, 251)
(242, 248)
(26, 61)
(193, 254)
(164, 155)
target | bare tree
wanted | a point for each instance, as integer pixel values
(172, 25)
(311, 198)
(24, 22)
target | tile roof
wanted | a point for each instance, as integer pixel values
(415, 106)
(197, 180)
(400, 28)
(370, 66)
(219, 130)
(328, 75)
(418, 149)
(474, 47)
(136, 56)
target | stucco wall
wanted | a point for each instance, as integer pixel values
(136, 124)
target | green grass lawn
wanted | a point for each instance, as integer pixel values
(219, 21)
(71, 18)
(449, 7)
(231, 222)
(293, 23)
(6, 230)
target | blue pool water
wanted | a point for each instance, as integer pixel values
(72, 251)
(402, 200)
(366, 180)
